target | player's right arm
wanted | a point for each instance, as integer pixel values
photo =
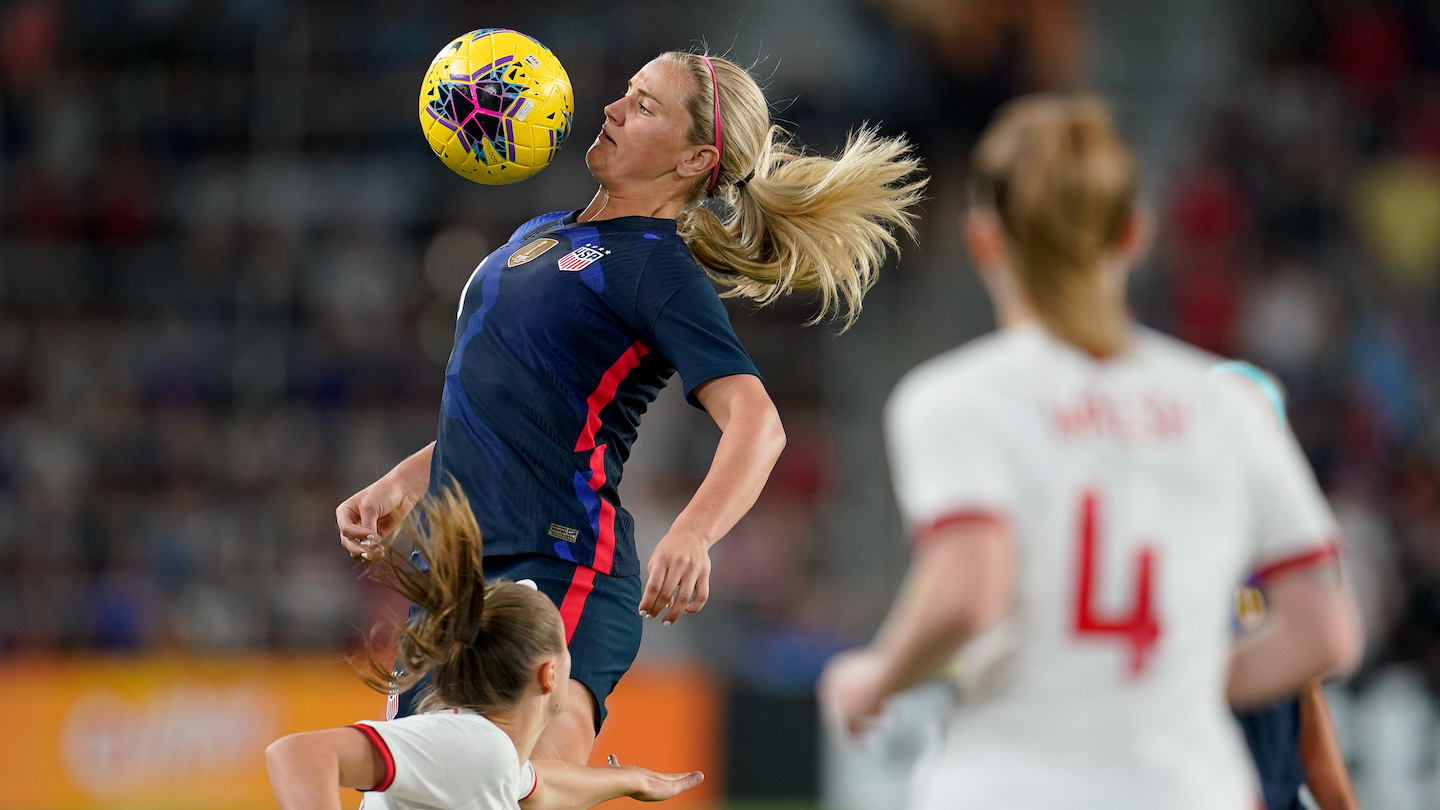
(959, 585)
(953, 488)
(561, 785)
(378, 509)
(306, 768)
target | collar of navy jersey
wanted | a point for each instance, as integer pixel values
(619, 223)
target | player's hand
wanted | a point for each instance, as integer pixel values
(657, 787)
(678, 577)
(372, 513)
(851, 689)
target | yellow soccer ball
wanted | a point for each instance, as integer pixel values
(496, 105)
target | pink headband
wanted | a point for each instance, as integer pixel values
(719, 148)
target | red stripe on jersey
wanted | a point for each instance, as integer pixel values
(379, 742)
(605, 542)
(535, 784)
(1294, 563)
(601, 397)
(604, 393)
(574, 602)
(950, 520)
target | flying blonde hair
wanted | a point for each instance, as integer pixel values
(792, 221)
(481, 640)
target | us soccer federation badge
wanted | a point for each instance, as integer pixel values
(581, 258)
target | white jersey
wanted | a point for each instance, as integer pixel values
(453, 759)
(1138, 491)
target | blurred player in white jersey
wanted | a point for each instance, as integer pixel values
(500, 672)
(1083, 497)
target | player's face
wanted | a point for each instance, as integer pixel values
(645, 137)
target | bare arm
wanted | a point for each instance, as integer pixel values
(1311, 628)
(561, 785)
(307, 770)
(376, 510)
(751, 438)
(958, 586)
(1325, 770)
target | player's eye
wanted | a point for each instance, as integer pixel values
(644, 109)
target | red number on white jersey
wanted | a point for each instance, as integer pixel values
(1139, 629)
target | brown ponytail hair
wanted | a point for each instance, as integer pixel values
(481, 640)
(1062, 183)
(793, 221)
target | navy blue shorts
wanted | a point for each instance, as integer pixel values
(1273, 733)
(601, 615)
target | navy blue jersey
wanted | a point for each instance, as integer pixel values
(565, 335)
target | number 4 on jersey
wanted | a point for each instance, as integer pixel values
(1138, 629)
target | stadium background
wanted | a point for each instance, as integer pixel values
(228, 272)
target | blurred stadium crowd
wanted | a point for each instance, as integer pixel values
(229, 266)
(230, 272)
(1305, 236)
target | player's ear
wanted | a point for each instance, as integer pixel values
(985, 236)
(549, 676)
(697, 160)
(1137, 234)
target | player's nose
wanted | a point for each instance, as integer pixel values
(615, 110)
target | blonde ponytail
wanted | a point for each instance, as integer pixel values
(791, 221)
(481, 640)
(1062, 183)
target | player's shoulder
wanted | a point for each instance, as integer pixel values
(669, 253)
(1230, 387)
(533, 225)
(446, 724)
(1175, 356)
(659, 258)
(966, 370)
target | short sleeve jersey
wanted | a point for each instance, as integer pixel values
(565, 335)
(1138, 492)
(454, 759)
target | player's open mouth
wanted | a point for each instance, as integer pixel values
(606, 137)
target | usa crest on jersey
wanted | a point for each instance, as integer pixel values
(582, 257)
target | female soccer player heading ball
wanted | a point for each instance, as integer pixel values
(1083, 497)
(500, 676)
(568, 331)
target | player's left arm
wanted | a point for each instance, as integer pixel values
(1320, 755)
(958, 586)
(751, 438)
(561, 785)
(307, 770)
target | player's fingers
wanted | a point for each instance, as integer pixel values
(612, 760)
(347, 519)
(665, 592)
(369, 515)
(662, 786)
(652, 589)
(657, 590)
(702, 593)
(681, 782)
(852, 725)
(681, 604)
